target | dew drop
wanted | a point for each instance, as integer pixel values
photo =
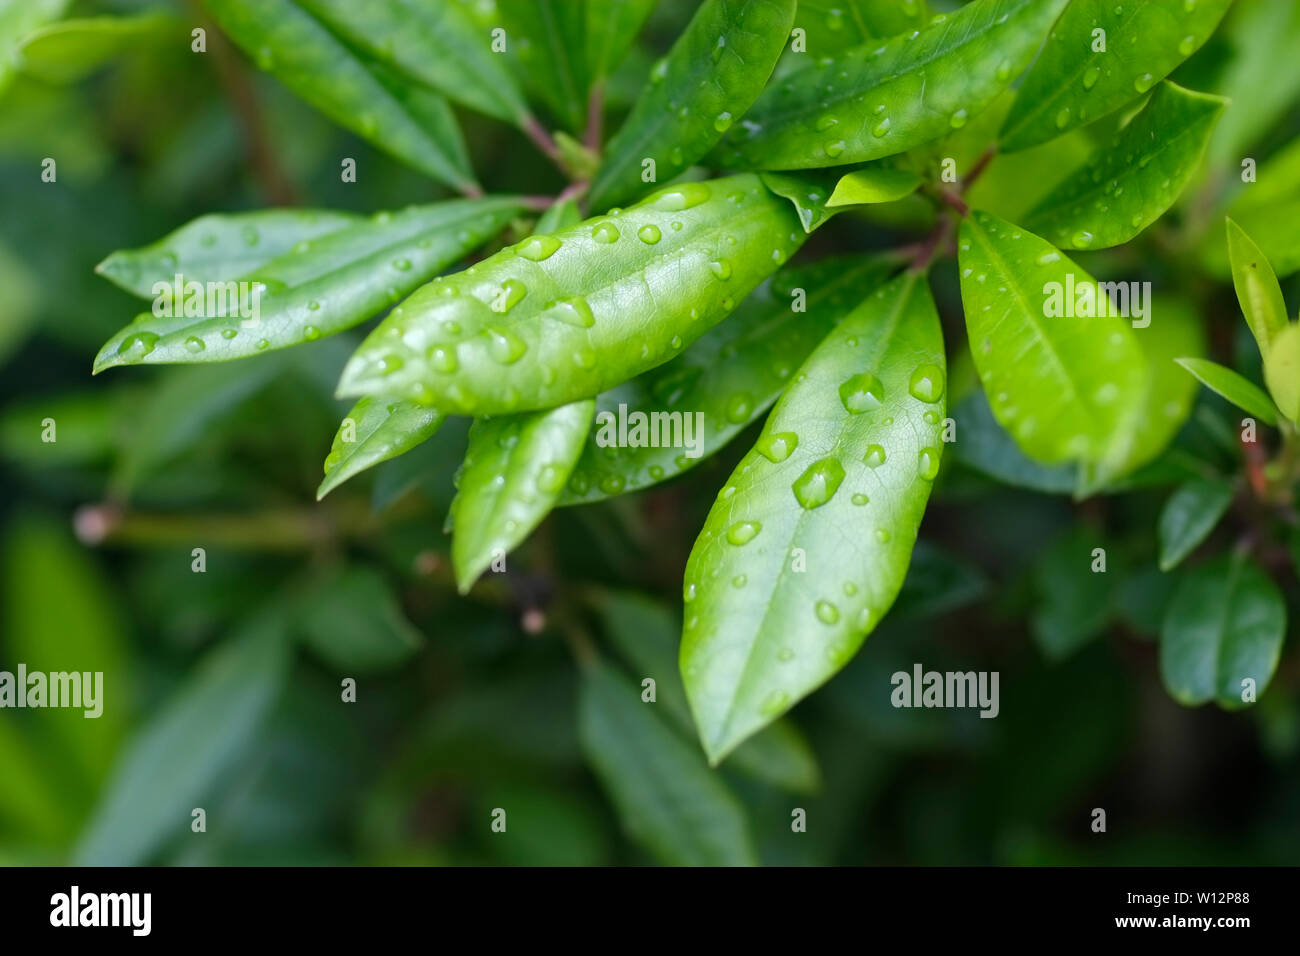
(862, 393)
(1081, 239)
(1063, 118)
(722, 122)
(682, 197)
(721, 268)
(141, 343)
(860, 499)
(649, 234)
(310, 333)
(443, 359)
(825, 122)
(875, 456)
(1091, 77)
(739, 581)
(928, 463)
(818, 484)
(881, 129)
(739, 407)
(402, 265)
(605, 232)
(778, 446)
(688, 592)
(835, 148)
(1144, 82)
(927, 383)
(574, 311)
(195, 344)
(958, 119)
(229, 333)
(538, 248)
(504, 346)
(743, 532)
(827, 612)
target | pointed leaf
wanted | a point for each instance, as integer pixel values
(890, 97)
(548, 321)
(668, 800)
(873, 185)
(220, 246)
(18, 20)
(549, 38)
(352, 620)
(1243, 393)
(301, 52)
(514, 470)
(1282, 371)
(1061, 385)
(1074, 82)
(431, 42)
(711, 76)
(1127, 185)
(320, 287)
(611, 28)
(809, 190)
(1224, 626)
(71, 49)
(374, 431)
(1189, 516)
(833, 26)
(731, 376)
(838, 481)
(1257, 288)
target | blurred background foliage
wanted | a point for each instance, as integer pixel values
(223, 688)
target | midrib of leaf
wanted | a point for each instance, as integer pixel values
(904, 299)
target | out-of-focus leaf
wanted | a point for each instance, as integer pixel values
(1242, 392)
(1189, 516)
(611, 28)
(645, 634)
(319, 287)
(549, 39)
(1014, 183)
(210, 722)
(1224, 626)
(667, 798)
(22, 300)
(1074, 597)
(374, 431)
(219, 246)
(287, 41)
(1282, 371)
(351, 619)
(833, 26)
(32, 810)
(1127, 185)
(18, 19)
(431, 42)
(986, 446)
(69, 50)
(711, 76)
(1074, 82)
(1257, 288)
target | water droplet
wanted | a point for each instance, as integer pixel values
(825, 122)
(743, 532)
(1049, 257)
(1081, 239)
(739, 407)
(835, 148)
(721, 269)
(612, 484)
(827, 612)
(195, 344)
(229, 333)
(881, 129)
(1091, 77)
(660, 71)
(1144, 82)
(739, 581)
(504, 346)
(875, 456)
(778, 446)
(538, 248)
(1003, 71)
(688, 592)
(860, 499)
(862, 393)
(927, 383)
(1063, 118)
(863, 619)
(574, 311)
(958, 119)
(818, 484)
(402, 265)
(686, 196)
(141, 343)
(718, 48)
(605, 232)
(882, 535)
(722, 122)
(262, 345)
(928, 463)
(310, 333)
(649, 234)
(443, 359)
(774, 703)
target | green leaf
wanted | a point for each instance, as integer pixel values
(1129, 184)
(833, 26)
(1257, 288)
(374, 431)
(731, 376)
(985, 446)
(319, 287)
(1243, 393)
(560, 215)
(889, 98)
(873, 185)
(18, 20)
(809, 191)
(1074, 599)
(350, 618)
(514, 470)
(71, 49)
(611, 29)
(645, 635)
(430, 42)
(1074, 83)
(1189, 516)
(1224, 626)
(668, 800)
(1282, 371)
(835, 487)
(31, 800)
(549, 38)
(300, 51)
(711, 76)
(548, 321)
(1062, 386)
(220, 246)
(211, 721)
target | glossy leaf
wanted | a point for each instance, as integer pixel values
(549, 39)
(645, 635)
(1189, 516)
(373, 431)
(70, 49)
(210, 722)
(220, 246)
(302, 53)
(1224, 626)
(731, 376)
(1242, 392)
(1062, 386)
(1282, 371)
(873, 185)
(611, 29)
(711, 76)
(879, 100)
(1128, 185)
(833, 26)
(431, 42)
(514, 470)
(809, 191)
(1070, 85)
(320, 287)
(808, 543)
(667, 798)
(1257, 288)
(351, 619)
(549, 320)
